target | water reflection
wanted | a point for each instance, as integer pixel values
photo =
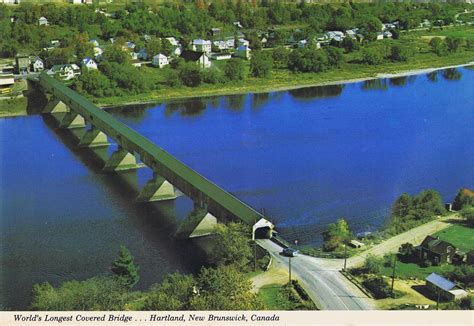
(309, 93)
(259, 99)
(235, 102)
(432, 76)
(452, 74)
(189, 108)
(135, 113)
(375, 84)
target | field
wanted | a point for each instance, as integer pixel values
(460, 236)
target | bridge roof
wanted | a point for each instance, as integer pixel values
(113, 127)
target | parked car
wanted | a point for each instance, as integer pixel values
(290, 252)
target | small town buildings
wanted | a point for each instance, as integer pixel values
(98, 52)
(443, 287)
(66, 72)
(42, 21)
(215, 31)
(243, 52)
(225, 45)
(200, 58)
(37, 64)
(22, 63)
(337, 36)
(6, 80)
(142, 54)
(89, 63)
(356, 244)
(221, 56)
(160, 60)
(199, 45)
(94, 42)
(55, 43)
(435, 250)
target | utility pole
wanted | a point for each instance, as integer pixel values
(254, 248)
(289, 269)
(393, 271)
(345, 256)
(437, 299)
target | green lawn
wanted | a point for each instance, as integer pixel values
(460, 236)
(465, 32)
(272, 298)
(409, 270)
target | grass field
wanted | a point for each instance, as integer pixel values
(271, 297)
(460, 236)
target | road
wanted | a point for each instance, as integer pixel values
(320, 277)
(414, 236)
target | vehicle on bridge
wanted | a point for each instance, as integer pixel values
(290, 252)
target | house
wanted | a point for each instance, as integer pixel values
(243, 52)
(425, 23)
(388, 26)
(470, 258)
(199, 45)
(173, 41)
(43, 21)
(142, 54)
(55, 43)
(356, 244)
(215, 31)
(98, 52)
(334, 35)
(242, 41)
(200, 58)
(6, 80)
(387, 34)
(238, 24)
(37, 64)
(444, 288)
(94, 42)
(160, 60)
(147, 38)
(221, 56)
(224, 45)
(379, 36)
(302, 43)
(22, 63)
(66, 72)
(89, 63)
(131, 45)
(177, 52)
(435, 250)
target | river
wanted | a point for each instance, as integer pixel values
(306, 156)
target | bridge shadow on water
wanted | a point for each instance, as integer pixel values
(156, 221)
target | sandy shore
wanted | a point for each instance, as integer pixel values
(291, 87)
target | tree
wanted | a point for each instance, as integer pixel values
(125, 268)
(190, 74)
(224, 288)
(335, 56)
(212, 76)
(308, 60)
(280, 57)
(370, 27)
(261, 64)
(407, 251)
(438, 46)
(430, 201)
(234, 70)
(464, 197)
(402, 205)
(349, 44)
(467, 213)
(153, 47)
(97, 293)
(453, 43)
(397, 53)
(116, 54)
(93, 82)
(174, 293)
(373, 264)
(336, 234)
(232, 245)
(166, 47)
(372, 56)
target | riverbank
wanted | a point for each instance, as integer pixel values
(281, 80)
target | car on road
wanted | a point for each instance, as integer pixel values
(290, 252)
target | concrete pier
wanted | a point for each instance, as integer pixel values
(94, 138)
(121, 160)
(157, 189)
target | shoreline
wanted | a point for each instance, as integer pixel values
(289, 87)
(263, 89)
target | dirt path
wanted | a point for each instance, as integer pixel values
(414, 236)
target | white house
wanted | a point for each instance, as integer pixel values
(200, 58)
(243, 41)
(94, 42)
(334, 35)
(302, 43)
(243, 52)
(387, 34)
(43, 21)
(202, 46)
(379, 36)
(66, 72)
(221, 56)
(37, 64)
(89, 63)
(173, 41)
(160, 60)
(131, 45)
(98, 52)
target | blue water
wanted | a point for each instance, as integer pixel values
(306, 156)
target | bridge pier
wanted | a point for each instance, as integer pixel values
(55, 106)
(198, 223)
(72, 120)
(93, 138)
(121, 160)
(157, 189)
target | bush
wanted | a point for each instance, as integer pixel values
(373, 264)
(378, 287)
(372, 56)
(467, 213)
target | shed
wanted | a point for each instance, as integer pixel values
(445, 288)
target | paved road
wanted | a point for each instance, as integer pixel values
(321, 279)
